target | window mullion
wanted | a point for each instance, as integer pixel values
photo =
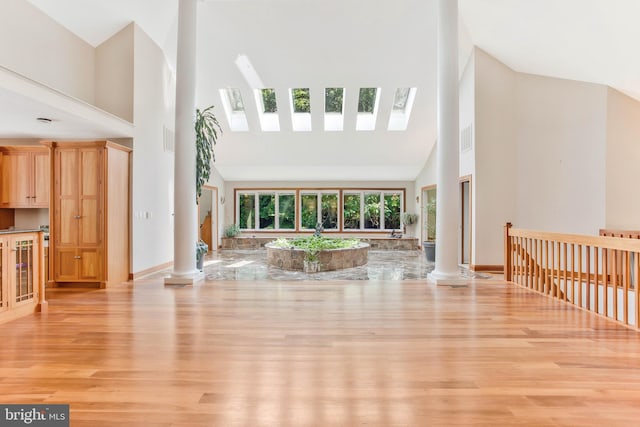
(381, 207)
(256, 211)
(276, 220)
(362, 210)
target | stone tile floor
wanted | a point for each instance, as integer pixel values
(382, 265)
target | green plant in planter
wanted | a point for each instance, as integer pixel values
(207, 128)
(201, 249)
(232, 230)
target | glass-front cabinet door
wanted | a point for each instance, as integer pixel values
(23, 274)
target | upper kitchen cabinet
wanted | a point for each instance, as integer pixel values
(25, 177)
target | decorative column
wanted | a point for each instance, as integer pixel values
(447, 159)
(185, 230)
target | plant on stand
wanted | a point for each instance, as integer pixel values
(207, 128)
(408, 220)
(311, 261)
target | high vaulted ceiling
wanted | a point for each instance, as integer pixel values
(358, 43)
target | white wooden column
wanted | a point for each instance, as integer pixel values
(447, 160)
(185, 231)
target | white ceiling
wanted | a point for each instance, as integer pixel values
(358, 43)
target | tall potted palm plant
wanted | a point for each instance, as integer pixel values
(207, 129)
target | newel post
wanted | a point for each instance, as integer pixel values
(507, 253)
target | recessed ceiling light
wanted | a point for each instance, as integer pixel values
(44, 120)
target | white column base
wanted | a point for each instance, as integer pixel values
(446, 279)
(184, 278)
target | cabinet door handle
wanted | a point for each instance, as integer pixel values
(77, 216)
(76, 257)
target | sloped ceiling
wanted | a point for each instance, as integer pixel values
(357, 43)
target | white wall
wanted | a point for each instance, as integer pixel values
(561, 152)
(216, 180)
(34, 45)
(623, 161)
(493, 183)
(114, 74)
(152, 187)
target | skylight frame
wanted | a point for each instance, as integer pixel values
(366, 121)
(399, 117)
(300, 120)
(269, 120)
(334, 120)
(236, 117)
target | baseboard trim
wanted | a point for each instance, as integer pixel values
(151, 270)
(487, 268)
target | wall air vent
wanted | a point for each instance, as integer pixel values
(466, 139)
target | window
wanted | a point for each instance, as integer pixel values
(300, 109)
(308, 211)
(372, 210)
(333, 108)
(401, 109)
(319, 207)
(269, 104)
(329, 211)
(333, 99)
(351, 211)
(392, 210)
(267, 210)
(267, 110)
(368, 101)
(234, 109)
(247, 211)
(287, 211)
(273, 210)
(281, 209)
(301, 101)
(400, 99)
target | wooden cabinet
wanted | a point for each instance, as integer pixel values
(25, 177)
(90, 233)
(21, 278)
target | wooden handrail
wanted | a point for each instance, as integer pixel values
(597, 273)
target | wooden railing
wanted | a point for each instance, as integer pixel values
(596, 273)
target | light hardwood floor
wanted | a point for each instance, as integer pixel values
(321, 354)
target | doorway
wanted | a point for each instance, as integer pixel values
(465, 220)
(208, 216)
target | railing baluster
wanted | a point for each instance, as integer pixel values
(538, 264)
(573, 274)
(605, 280)
(595, 279)
(557, 289)
(614, 282)
(636, 270)
(627, 277)
(579, 275)
(566, 265)
(588, 268)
